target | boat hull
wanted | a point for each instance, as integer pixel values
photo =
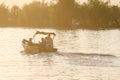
(36, 49)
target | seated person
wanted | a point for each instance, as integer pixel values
(42, 44)
(29, 42)
(42, 41)
(24, 41)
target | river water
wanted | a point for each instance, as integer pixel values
(82, 55)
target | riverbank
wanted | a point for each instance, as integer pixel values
(62, 27)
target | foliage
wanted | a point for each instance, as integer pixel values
(14, 16)
(4, 14)
(94, 14)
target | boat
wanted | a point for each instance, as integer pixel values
(37, 47)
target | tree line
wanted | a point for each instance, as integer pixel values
(94, 14)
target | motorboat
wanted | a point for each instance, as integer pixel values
(31, 47)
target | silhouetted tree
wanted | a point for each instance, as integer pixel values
(35, 14)
(4, 14)
(15, 15)
(115, 16)
(64, 12)
(94, 14)
(98, 13)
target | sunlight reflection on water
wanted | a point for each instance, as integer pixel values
(68, 63)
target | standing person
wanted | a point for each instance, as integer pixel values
(49, 42)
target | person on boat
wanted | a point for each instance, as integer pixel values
(49, 42)
(42, 44)
(24, 41)
(30, 41)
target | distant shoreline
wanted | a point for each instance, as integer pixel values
(94, 15)
(59, 28)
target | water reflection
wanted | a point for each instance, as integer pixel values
(85, 41)
(68, 63)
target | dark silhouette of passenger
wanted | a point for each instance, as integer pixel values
(42, 44)
(49, 42)
(24, 41)
(29, 42)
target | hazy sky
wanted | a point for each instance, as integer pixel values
(22, 2)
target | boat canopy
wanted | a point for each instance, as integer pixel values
(45, 33)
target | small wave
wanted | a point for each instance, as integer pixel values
(80, 59)
(99, 60)
(87, 54)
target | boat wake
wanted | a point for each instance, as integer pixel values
(79, 59)
(101, 60)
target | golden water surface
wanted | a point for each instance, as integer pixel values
(82, 55)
